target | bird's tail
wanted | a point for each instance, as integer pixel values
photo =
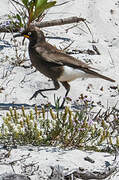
(93, 73)
(105, 77)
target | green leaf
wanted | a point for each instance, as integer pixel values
(20, 20)
(18, 17)
(42, 8)
(50, 4)
(25, 2)
(40, 3)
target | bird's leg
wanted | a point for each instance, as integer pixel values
(56, 84)
(67, 87)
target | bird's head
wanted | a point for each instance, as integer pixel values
(34, 34)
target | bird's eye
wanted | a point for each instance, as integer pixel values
(29, 33)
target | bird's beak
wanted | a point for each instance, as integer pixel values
(26, 36)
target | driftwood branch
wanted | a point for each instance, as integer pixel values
(12, 176)
(93, 175)
(8, 26)
(59, 22)
(85, 174)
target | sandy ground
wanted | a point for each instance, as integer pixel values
(36, 162)
(103, 16)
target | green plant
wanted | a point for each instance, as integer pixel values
(29, 11)
(66, 128)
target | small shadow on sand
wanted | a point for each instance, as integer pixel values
(6, 106)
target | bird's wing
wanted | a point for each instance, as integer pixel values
(53, 55)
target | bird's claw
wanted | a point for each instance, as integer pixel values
(36, 93)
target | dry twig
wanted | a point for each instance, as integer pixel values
(6, 26)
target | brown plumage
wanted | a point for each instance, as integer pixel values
(54, 63)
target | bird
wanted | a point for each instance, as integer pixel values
(54, 63)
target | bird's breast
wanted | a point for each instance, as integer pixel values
(49, 69)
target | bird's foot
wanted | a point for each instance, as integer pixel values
(36, 93)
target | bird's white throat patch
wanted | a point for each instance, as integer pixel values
(70, 74)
